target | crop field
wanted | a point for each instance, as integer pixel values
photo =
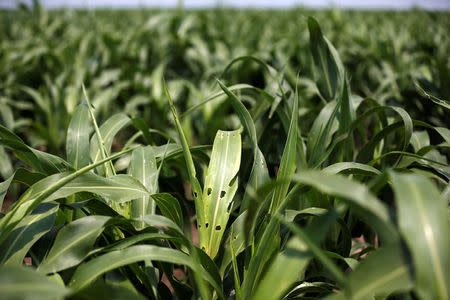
(224, 154)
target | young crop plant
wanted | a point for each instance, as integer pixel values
(215, 202)
(260, 184)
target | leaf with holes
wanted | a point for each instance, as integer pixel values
(220, 187)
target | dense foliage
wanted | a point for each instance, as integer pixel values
(224, 154)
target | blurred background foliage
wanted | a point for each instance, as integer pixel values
(121, 57)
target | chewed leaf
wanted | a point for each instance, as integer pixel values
(220, 186)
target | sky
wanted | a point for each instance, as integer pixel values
(357, 4)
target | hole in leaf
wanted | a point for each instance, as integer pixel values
(195, 194)
(229, 206)
(218, 227)
(222, 194)
(209, 191)
(233, 180)
(203, 248)
(206, 225)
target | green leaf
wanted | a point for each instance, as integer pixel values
(120, 188)
(218, 95)
(237, 236)
(444, 132)
(127, 242)
(77, 141)
(27, 232)
(259, 173)
(372, 210)
(328, 67)
(367, 151)
(143, 168)
(291, 262)
(26, 177)
(103, 290)
(319, 137)
(442, 102)
(140, 124)
(283, 270)
(169, 207)
(40, 191)
(288, 161)
(381, 273)
(6, 168)
(73, 243)
(89, 271)
(40, 161)
(161, 221)
(4, 186)
(351, 167)
(24, 283)
(220, 187)
(107, 131)
(368, 207)
(347, 115)
(196, 188)
(424, 223)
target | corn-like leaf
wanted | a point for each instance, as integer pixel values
(351, 167)
(40, 161)
(220, 186)
(371, 210)
(6, 168)
(196, 188)
(143, 168)
(347, 115)
(236, 234)
(424, 223)
(89, 271)
(380, 274)
(24, 283)
(27, 232)
(4, 186)
(158, 221)
(288, 161)
(292, 261)
(259, 173)
(321, 132)
(169, 207)
(77, 141)
(120, 188)
(107, 131)
(362, 200)
(366, 153)
(73, 243)
(328, 67)
(43, 189)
